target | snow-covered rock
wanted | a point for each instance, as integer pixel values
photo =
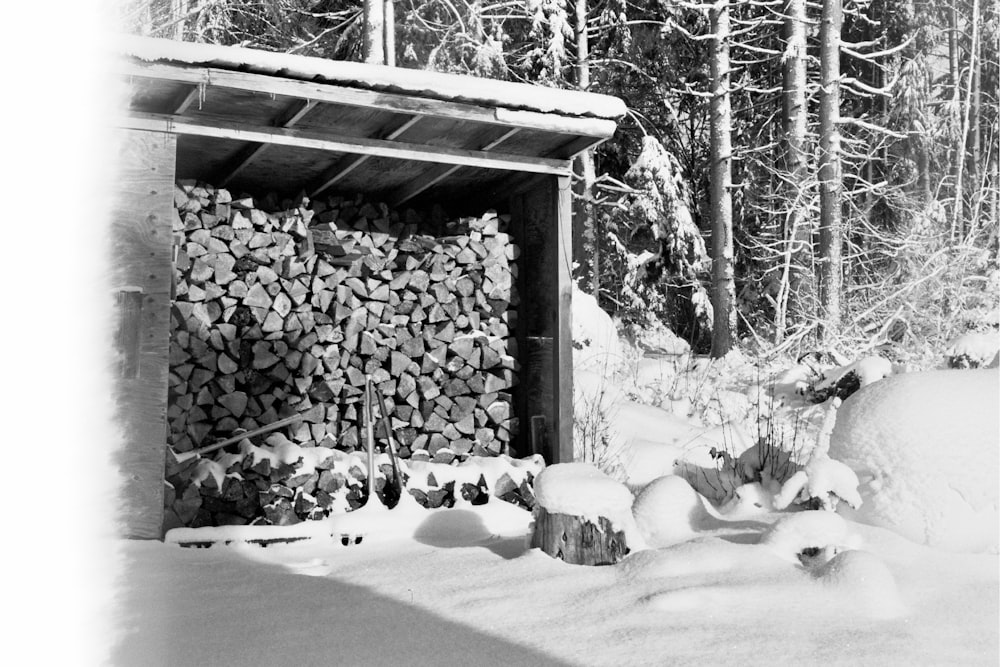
(668, 511)
(925, 446)
(814, 535)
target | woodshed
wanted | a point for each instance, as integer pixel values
(252, 123)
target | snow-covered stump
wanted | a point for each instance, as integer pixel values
(582, 516)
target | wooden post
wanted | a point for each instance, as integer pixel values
(542, 226)
(141, 257)
(562, 364)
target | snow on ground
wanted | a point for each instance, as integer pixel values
(753, 577)
(465, 589)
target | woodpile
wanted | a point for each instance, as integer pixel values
(284, 310)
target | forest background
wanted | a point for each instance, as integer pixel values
(790, 176)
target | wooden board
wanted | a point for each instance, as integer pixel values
(141, 257)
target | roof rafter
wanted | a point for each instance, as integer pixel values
(436, 174)
(295, 112)
(346, 165)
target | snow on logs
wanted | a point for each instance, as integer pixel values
(284, 313)
(582, 516)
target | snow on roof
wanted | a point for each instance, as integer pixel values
(435, 85)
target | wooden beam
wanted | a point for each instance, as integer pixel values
(345, 95)
(289, 117)
(574, 147)
(436, 174)
(184, 100)
(340, 144)
(346, 165)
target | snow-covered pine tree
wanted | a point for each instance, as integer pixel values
(670, 264)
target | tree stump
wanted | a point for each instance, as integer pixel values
(576, 540)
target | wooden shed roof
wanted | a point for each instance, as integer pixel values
(258, 121)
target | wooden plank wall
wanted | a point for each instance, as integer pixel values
(541, 224)
(142, 270)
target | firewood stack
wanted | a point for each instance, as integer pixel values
(276, 313)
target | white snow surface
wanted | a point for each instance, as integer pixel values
(925, 447)
(595, 339)
(461, 585)
(437, 85)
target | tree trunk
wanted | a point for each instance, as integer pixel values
(178, 8)
(390, 32)
(796, 230)
(830, 178)
(957, 226)
(374, 32)
(975, 140)
(720, 176)
(585, 162)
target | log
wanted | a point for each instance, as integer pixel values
(576, 540)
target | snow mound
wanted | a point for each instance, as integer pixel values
(596, 343)
(702, 556)
(925, 446)
(580, 489)
(809, 535)
(866, 579)
(668, 511)
(660, 340)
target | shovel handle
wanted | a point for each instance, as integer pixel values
(294, 419)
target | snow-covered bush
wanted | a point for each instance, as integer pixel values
(975, 349)
(595, 438)
(925, 446)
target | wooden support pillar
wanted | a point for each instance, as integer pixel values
(141, 256)
(562, 366)
(541, 223)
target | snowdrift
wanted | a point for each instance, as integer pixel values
(925, 447)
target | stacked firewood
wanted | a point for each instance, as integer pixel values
(276, 313)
